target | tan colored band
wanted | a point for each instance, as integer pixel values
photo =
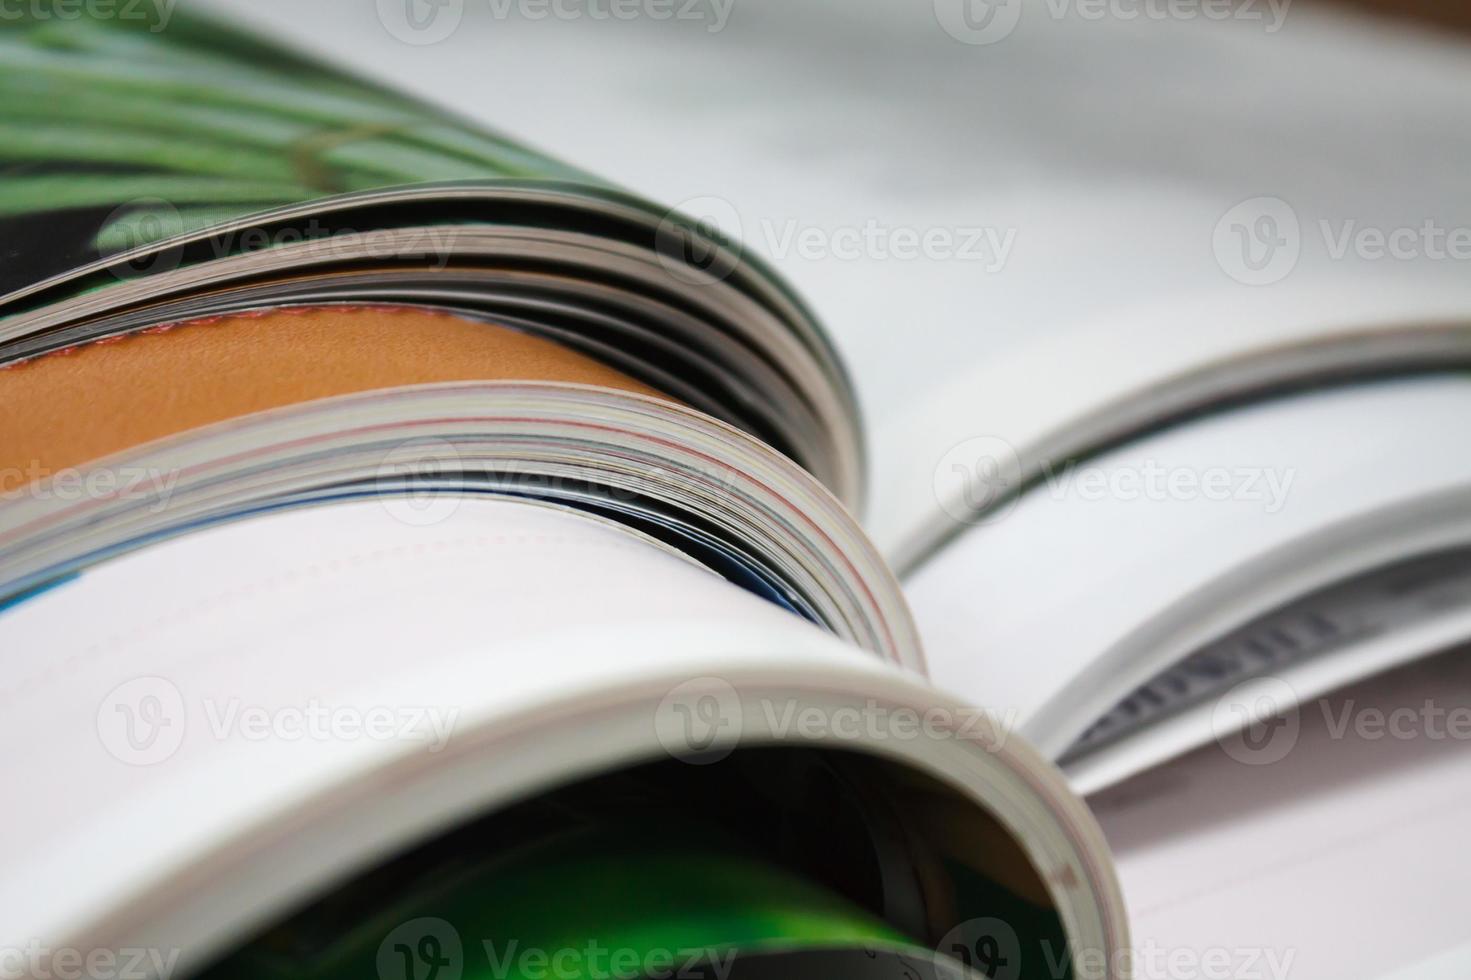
(67, 408)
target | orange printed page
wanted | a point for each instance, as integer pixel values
(67, 408)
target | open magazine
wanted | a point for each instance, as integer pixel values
(421, 551)
(385, 331)
(1073, 414)
(1134, 460)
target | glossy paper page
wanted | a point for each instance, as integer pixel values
(1080, 179)
(117, 132)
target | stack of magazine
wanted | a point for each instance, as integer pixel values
(428, 561)
(421, 559)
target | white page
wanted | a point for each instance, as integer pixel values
(211, 729)
(1106, 151)
(1054, 611)
(166, 705)
(1346, 857)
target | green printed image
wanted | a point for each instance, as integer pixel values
(118, 133)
